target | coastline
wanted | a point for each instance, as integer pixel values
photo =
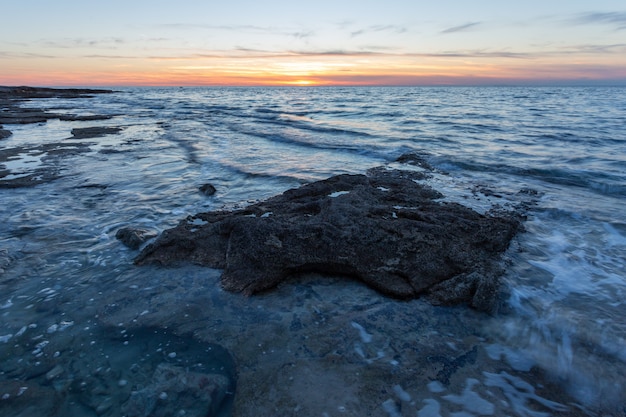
(13, 113)
(316, 344)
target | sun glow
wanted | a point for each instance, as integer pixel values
(302, 83)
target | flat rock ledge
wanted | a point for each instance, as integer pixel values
(383, 228)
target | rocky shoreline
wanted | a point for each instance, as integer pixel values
(12, 113)
(383, 228)
(116, 339)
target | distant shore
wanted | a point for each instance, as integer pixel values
(12, 113)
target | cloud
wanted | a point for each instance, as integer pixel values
(4, 54)
(461, 28)
(247, 53)
(105, 43)
(616, 19)
(616, 48)
(378, 28)
(271, 30)
(302, 34)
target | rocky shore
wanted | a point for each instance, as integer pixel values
(383, 228)
(349, 275)
(13, 113)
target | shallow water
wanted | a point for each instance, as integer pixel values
(557, 347)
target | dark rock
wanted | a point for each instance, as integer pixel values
(26, 116)
(382, 228)
(208, 189)
(4, 133)
(12, 113)
(415, 159)
(86, 118)
(50, 153)
(94, 132)
(24, 92)
(134, 238)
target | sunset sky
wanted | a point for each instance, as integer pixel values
(239, 42)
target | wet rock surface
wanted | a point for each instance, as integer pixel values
(33, 164)
(207, 189)
(134, 237)
(4, 133)
(383, 228)
(12, 113)
(94, 132)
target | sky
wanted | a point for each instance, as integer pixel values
(351, 42)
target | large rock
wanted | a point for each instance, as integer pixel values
(383, 228)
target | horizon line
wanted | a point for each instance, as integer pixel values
(551, 83)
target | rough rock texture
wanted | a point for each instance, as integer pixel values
(12, 113)
(133, 237)
(49, 155)
(4, 133)
(382, 228)
(208, 189)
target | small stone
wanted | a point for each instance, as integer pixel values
(133, 237)
(208, 189)
(163, 396)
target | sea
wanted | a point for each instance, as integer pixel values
(72, 303)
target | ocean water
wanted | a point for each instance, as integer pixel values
(558, 346)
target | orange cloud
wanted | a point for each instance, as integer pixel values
(247, 67)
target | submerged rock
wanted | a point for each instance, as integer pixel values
(132, 237)
(174, 389)
(94, 132)
(383, 228)
(208, 189)
(4, 133)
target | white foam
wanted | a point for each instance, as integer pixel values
(6, 338)
(197, 222)
(8, 304)
(401, 393)
(515, 359)
(365, 336)
(519, 393)
(338, 193)
(613, 237)
(431, 409)
(471, 401)
(436, 387)
(391, 408)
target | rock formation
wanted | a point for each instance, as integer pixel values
(383, 228)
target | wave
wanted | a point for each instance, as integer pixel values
(597, 182)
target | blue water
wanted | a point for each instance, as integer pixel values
(565, 147)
